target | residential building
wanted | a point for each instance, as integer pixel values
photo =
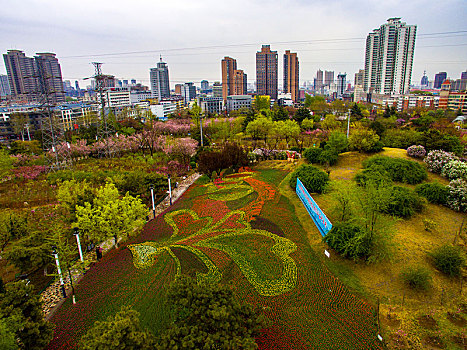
(188, 92)
(318, 80)
(359, 77)
(159, 78)
(4, 86)
(22, 75)
(389, 58)
(291, 74)
(359, 94)
(163, 109)
(459, 85)
(341, 88)
(228, 65)
(178, 89)
(214, 105)
(238, 101)
(139, 96)
(239, 82)
(50, 72)
(439, 79)
(217, 90)
(117, 97)
(424, 81)
(266, 72)
(204, 85)
(452, 100)
(328, 77)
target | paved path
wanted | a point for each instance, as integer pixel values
(52, 297)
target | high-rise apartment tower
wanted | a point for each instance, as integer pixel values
(389, 58)
(159, 76)
(291, 74)
(266, 72)
(439, 79)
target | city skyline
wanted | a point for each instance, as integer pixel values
(334, 41)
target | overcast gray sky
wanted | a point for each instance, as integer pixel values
(193, 36)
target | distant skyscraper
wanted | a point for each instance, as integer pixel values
(4, 86)
(48, 64)
(178, 89)
(341, 84)
(424, 81)
(389, 58)
(319, 79)
(239, 82)
(159, 77)
(133, 81)
(21, 75)
(188, 92)
(359, 77)
(439, 79)
(217, 90)
(328, 77)
(77, 85)
(204, 85)
(464, 75)
(266, 72)
(291, 74)
(228, 65)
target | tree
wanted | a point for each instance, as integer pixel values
(363, 140)
(262, 102)
(21, 309)
(18, 121)
(208, 316)
(6, 163)
(30, 252)
(338, 141)
(12, 226)
(109, 216)
(330, 122)
(120, 332)
(301, 114)
(307, 124)
(317, 104)
(259, 128)
(356, 112)
(280, 114)
(72, 193)
(7, 337)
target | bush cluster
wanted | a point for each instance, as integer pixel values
(457, 198)
(434, 192)
(448, 259)
(231, 156)
(314, 179)
(455, 169)
(416, 151)
(400, 138)
(349, 240)
(401, 170)
(404, 202)
(322, 156)
(416, 277)
(437, 159)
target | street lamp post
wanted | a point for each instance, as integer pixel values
(152, 198)
(62, 283)
(201, 128)
(348, 123)
(170, 189)
(76, 233)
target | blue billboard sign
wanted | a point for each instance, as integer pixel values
(321, 221)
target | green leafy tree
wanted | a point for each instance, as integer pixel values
(338, 141)
(307, 124)
(21, 310)
(120, 332)
(301, 114)
(30, 252)
(259, 128)
(110, 216)
(317, 104)
(356, 112)
(262, 103)
(6, 163)
(330, 122)
(280, 113)
(209, 316)
(72, 193)
(363, 140)
(18, 123)
(12, 226)
(7, 336)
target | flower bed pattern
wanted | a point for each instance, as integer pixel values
(260, 248)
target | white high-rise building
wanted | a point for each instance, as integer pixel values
(159, 77)
(389, 58)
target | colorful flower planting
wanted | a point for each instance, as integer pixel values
(259, 247)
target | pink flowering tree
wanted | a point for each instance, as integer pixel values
(181, 149)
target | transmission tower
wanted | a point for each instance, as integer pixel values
(105, 128)
(53, 136)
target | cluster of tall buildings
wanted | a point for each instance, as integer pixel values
(32, 78)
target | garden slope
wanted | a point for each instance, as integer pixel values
(241, 231)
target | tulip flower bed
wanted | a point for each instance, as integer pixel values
(240, 231)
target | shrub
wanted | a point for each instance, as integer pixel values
(416, 151)
(448, 259)
(457, 198)
(404, 202)
(455, 169)
(314, 179)
(313, 154)
(338, 141)
(437, 159)
(329, 156)
(376, 174)
(349, 240)
(364, 140)
(400, 138)
(429, 225)
(434, 192)
(417, 278)
(401, 170)
(231, 156)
